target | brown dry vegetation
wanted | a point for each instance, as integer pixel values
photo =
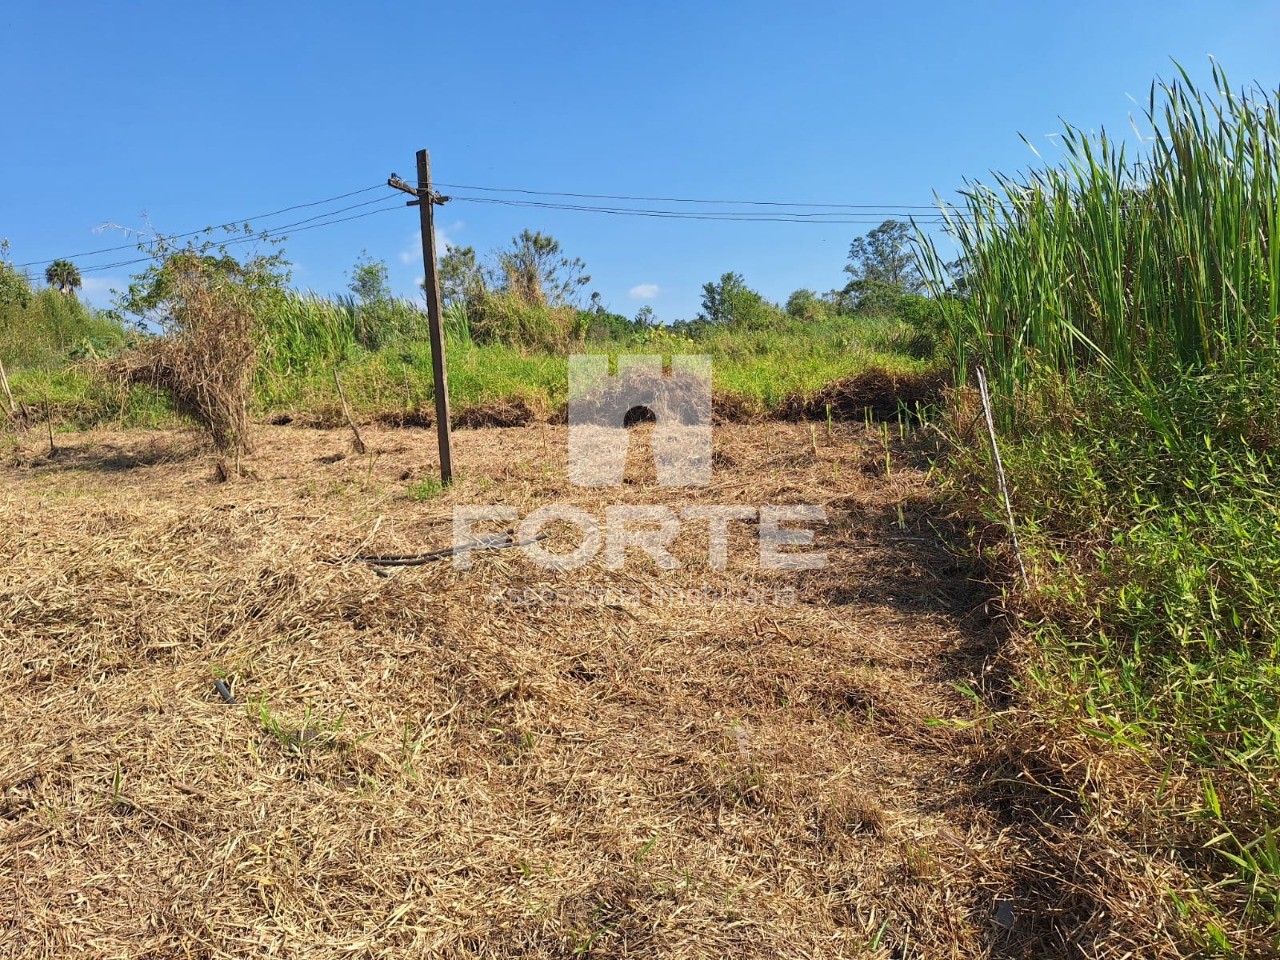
(206, 362)
(419, 766)
(884, 394)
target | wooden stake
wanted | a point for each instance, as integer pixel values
(1004, 486)
(48, 421)
(346, 412)
(4, 382)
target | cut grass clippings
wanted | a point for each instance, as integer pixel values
(510, 760)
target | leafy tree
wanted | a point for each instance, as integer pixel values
(801, 303)
(157, 294)
(461, 278)
(535, 269)
(369, 280)
(730, 302)
(645, 318)
(63, 276)
(882, 267)
(811, 305)
(601, 325)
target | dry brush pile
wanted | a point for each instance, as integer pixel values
(207, 358)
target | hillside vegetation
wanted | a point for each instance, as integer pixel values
(510, 328)
(48, 327)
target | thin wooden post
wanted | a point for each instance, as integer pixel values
(48, 421)
(985, 393)
(427, 201)
(11, 409)
(346, 412)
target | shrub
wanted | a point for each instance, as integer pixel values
(206, 358)
(807, 305)
(924, 317)
(15, 288)
(387, 321)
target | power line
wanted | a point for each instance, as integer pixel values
(263, 235)
(754, 203)
(221, 226)
(732, 216)
(841, 214)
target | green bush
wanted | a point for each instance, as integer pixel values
(729, 302)
(15, 288)
(808, 305)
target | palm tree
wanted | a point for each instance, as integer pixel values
(64, 276)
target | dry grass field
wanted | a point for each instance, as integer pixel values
(441, 763)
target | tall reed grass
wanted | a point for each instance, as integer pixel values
(1125, 302)
(305, 332)
(1136, 262)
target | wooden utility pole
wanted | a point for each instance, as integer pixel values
(426, 202)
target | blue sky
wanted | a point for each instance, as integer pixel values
(191, 114)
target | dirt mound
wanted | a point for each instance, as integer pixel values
(639, 394)
(725, 408)
(733, 408)
(885, 394)
(406, 418)
(517, 412)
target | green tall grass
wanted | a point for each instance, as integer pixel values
(304, 331)
(1136, 262)
(1125, 302)
(46, 329)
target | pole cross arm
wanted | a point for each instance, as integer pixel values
(437, 198)
(395, 182)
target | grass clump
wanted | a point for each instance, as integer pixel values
(424, 490)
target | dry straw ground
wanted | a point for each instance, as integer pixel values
(422, 765)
